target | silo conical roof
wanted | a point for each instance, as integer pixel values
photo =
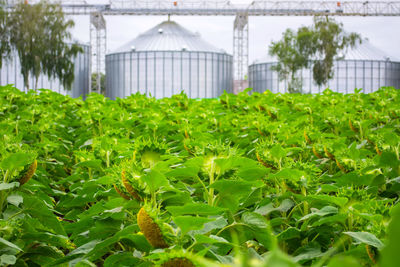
(168, 36)
(363, 51)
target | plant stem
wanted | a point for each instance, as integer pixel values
(201, 182)
(211, 191)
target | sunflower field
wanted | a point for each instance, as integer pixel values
(243, 180)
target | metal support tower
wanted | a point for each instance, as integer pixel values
(240, 51)
(98, 44)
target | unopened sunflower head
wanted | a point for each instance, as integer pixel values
(29, 173)
(157, 232)
(127, 180)
(128, 186)
(214, 151)
(149, 151)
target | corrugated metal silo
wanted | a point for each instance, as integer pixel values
(10, 73)
(363, 67)
(166, 60)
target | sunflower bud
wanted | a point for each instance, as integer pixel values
(129, 187)
(178, 262)
(315, 152)
(28, 175)
(308, 140)
(352, 127)
(328, 154)
(150, 229)
(121, 193)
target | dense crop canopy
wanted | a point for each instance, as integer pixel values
(243, 180)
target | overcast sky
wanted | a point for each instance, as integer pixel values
(382, 32)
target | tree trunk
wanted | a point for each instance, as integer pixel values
(36, 82)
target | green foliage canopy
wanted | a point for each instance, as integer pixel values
(38, 33)
(4, 34)
(316, 46)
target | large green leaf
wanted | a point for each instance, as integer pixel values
(194, 209)
(390, 252)
(366, 238)
(16, 160)
(9, 244)
(187, 223)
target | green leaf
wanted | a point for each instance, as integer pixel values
(155, 180)
(38, 209)
(212, 239)
(187, 223)
(279, 259)
(286, 205)
(288, 174)
(366, 238)
(343, 261)
(121, 259)
(235, 188)
(15, 200)
(6, 186)
(254, 220)
(391, 138)
(9, 244)
(105, 180)
(84, 263)
(184, 173)
(194, 209)
(390, 253)
(308, 252)
(277, 151)
(92, 164)
(7, 260)
(339, 201)
(389, 159)
(253, 173)
(16, 160)
(85, 248)
(218, 223)
(289, 233)
(327, 210)
(260, 229)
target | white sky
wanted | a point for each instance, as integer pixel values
(382, 32)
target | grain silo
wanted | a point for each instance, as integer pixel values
(166, 60)
(364, 67)
(10, 73)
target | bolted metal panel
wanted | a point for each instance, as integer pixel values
(368, 75)
(194, 73)
(168, 36)
(166, 60)
(10, 73)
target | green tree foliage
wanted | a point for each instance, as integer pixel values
(4, 34)
(293, 53)
(316, 46)
(38, 33)
(329, 41)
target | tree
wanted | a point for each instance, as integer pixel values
(293, 53)
(317, 46)
(39, 33)
(4, 34)
(330, 40)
